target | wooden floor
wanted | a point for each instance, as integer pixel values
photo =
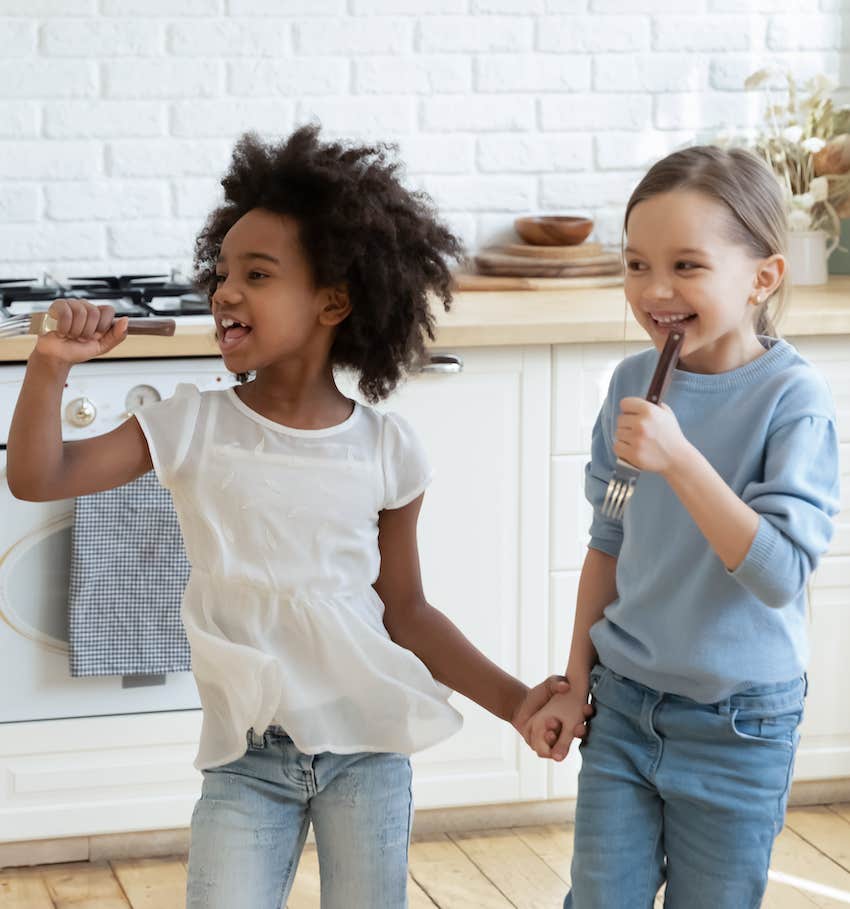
(522, 867)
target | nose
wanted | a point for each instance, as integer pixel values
(226, 293)
(657, 290)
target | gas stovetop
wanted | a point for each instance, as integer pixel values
(131, 295)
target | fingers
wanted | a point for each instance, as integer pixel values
(116, 334)
(561, 748)
(80, 320)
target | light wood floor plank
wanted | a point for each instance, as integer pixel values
(24, 890)
(450, 879)
(157, 883)
(824, 829)
(553, 843)
(792, 855)
(522, 875)
(84, 885)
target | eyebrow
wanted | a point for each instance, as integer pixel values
(687, 251)
(266, 257)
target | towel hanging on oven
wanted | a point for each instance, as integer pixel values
(128, 572)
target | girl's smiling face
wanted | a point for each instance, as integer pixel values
(685, 268)
(265, 303)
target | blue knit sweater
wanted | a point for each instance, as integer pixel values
(682, 623)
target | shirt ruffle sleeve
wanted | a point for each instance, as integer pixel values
(407, 471)
(796, 500)
(168, 427)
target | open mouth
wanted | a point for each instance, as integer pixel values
(669, 320)
(231, 332)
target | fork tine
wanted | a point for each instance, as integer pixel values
(14, 326)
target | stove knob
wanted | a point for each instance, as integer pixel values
(80, 412)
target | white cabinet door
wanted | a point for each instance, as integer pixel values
(483, 544)
(825, 745)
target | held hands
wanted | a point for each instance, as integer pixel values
(540, 726)
(562, 719)
(84, 331)
(649, 436)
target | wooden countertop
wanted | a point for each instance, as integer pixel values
(497, 318)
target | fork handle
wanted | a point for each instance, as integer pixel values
(666, 364)
(163, 327)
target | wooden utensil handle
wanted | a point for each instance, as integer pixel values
(666, 364)
(163, 327)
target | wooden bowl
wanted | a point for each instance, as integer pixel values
(553, 230)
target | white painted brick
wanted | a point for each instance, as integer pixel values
(229, 118)
(354, 36)
(596, 111)
(19, 202)
(361, 116)
(405, 7)
(728, 71)
(169, 238)
(101, 200)
(462, 226)
(534, 152)
(533, 72)
(566, 6)
(707, 110)
(569, 193)
(475, 33)
(830, 6)
(48, 79)
(805, 32)
(231, 38)
(636, 150)
(102, 38)
(478, 113)
(168, 158)
(19, 119)
(288, 78)
(104, 119)
(22, 242)
(649, 72)
(36, 8)
(163, 79)
(17, 37)
(762, 6)
(565, 34)
(644, 6)
(471, 194)
(437, 154)
(506, 7)
(415, 73)
(704, 33)
(165, 8)
(196, 198)
(44, 160)
(497, 228)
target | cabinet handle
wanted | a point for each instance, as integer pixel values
(443, 363)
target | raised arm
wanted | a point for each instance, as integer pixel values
(40, 467)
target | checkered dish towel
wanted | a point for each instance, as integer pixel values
(128, 571)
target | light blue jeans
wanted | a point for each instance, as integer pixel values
(677, 790)
(249, 827)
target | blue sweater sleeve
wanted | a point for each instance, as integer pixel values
(796, 500)
(605, 535)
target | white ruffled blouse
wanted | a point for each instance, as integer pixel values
(281, 529)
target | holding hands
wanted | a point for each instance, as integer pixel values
(551, 716)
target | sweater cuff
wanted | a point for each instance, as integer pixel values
(756, 566)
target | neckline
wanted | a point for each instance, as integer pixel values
(776, 353)
(252, 414)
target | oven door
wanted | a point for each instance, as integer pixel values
(35, 682)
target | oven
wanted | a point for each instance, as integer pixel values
(35, 550)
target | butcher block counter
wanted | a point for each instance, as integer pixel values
(501, 318)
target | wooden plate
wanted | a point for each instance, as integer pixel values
(464, 282)
(582, 251)
(488, 263)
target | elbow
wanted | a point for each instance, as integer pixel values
(24, 488)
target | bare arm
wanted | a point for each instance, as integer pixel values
(40, 466)
(416, 625)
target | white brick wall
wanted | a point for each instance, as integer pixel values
(117, 116)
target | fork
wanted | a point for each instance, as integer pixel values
(41, 322)
(621, 486)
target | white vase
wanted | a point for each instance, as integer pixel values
(808, 252)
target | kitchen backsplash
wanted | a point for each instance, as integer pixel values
(117, 116)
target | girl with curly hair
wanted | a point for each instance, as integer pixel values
(320, 665)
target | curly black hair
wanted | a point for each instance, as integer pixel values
(358, 226)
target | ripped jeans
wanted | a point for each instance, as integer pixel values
(250, 824)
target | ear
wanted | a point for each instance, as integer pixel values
(335, 306)
(768, 277)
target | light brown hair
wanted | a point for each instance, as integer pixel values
(750, 193)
